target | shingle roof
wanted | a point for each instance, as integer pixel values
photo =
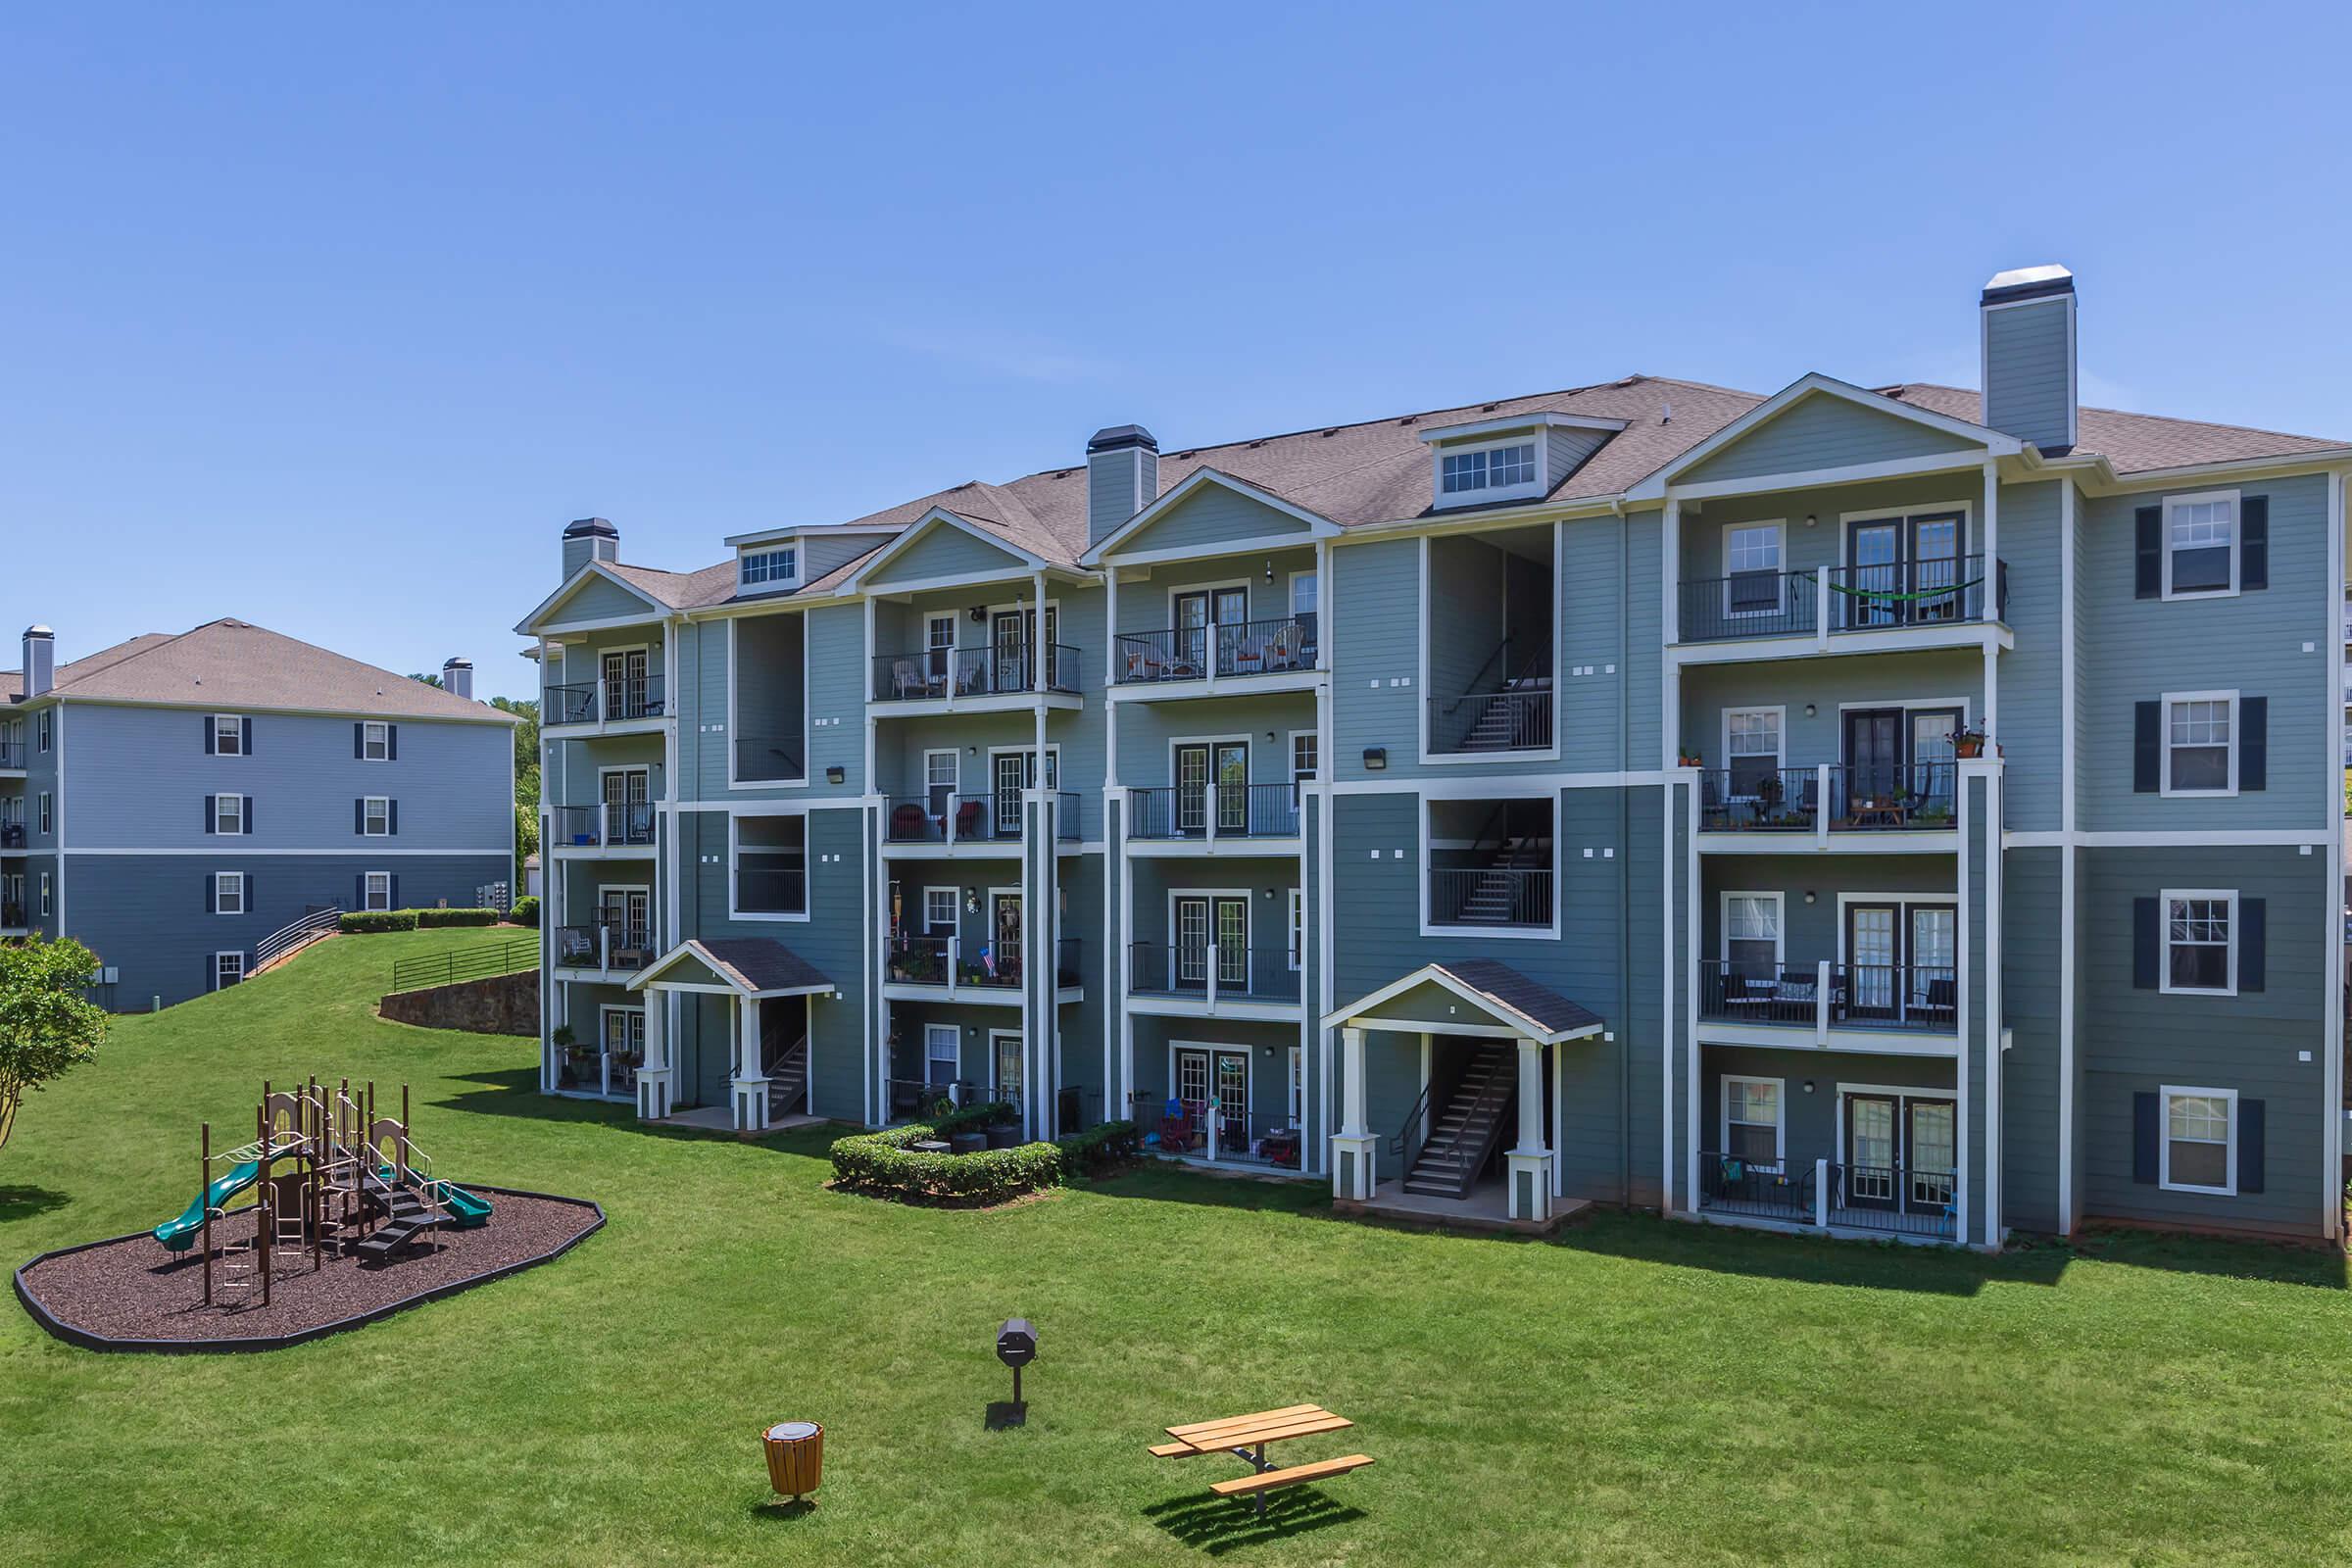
(237, 666)
(1531, 999)
(2134, 443)
(759, 963)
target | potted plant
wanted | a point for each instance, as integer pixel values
(1686, 758)
(1003, 1135)
(1968, 741)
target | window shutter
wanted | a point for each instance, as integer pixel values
(2147, 572)
(2253, 939)
(359, 742)
(2250, 1146)
(247, 885)
(2254, 542)
(391, 743)
(211, 973)
(358, 814)
(248, 816)
(2147, 944)
(210, 742)
(209, 906)
(246, 724)
(359, 891)
(392, 817)
(393, 897)
(2147, 1127)
(2147, 747)
(2253, 743)
(210, 820)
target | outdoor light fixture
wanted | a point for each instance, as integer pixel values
(1808, 1085)
(1810, 520)
(971, 900)
(1810, 710)
(1376, 759)
(836, 776)
(1270, 568)
(1016, 1347)
(1810, 894)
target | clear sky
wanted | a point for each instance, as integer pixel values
(329, 317)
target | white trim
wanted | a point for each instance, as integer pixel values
(222, 882)
(368, 805)
(2068, 894)
(494, 850)
(1023, 561)
(735, 910)
(535, 623)
(1530, 436)
(2164, 741)
(373, 731)
(1722, 923)
(2235, 548)
(2163, 1140)
(734, 729)
(1780, 556)
(1519, 1027)
(227, 954)
(1780, 1105)
(2241, 838)
(367, 904)
(2164, 941)
(240, 722)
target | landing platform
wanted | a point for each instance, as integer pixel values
(1487, 1209)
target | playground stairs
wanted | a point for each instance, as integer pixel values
(403, 1216)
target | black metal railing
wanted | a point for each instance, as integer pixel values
(1772, 993)
(469, 963)
(1490, 895)
(1068, 817)
(937, 673)
(1748, 604)
(12, 835)
(1269, 647)
(584, 701)
(1900, 1199)
(1920, 999)
(1768, 800)
(570, 705)
(1896, 797)
(1945, 590)
(921, 1099)
(1214, 811)
(761, 759)
(1776, 1190)
(771, 884)
(604, 945)
(13, 917)
(12, 753)
(613, 822)
(1515, 720)
(952, 816)
(919, 960)
(1212, 971)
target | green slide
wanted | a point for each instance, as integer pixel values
(180, 1234)
(466, 1211)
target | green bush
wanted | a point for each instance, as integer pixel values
(370, 922)
(435, 919)
(525, 911)
(884, 1165)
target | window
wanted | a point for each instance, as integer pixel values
(943, 1051)
(229, 893)
(1500, 467)
(229, 735)
(939, 911)
(1305, 593)
(770, 568)
(2200, 942)
(44, 894)
(1304, 757)
(380, 890)
(228, 813)
(2200, 544)
(375, 816)
(1751, 934)
(1751, 568)
(2200, 1140)
(48, 814)
(229, 969)
(2200, 753)
(375, 742)
(1752, 1120)
(1752, 749)
(45, 729)
(1298, 926)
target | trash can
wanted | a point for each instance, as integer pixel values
(796, 1455)
(967, 1143)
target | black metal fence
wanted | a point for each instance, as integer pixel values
(1274, 646)
(469, 963)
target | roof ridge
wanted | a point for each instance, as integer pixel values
(1196, 448)
(165, 640)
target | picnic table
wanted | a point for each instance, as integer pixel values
(1247, 1436)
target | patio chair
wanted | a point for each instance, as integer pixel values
(907, 679)
(1943, 1000)
(579, 947)
(906, 822)
(969, 820)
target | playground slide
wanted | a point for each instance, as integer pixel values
(180, 1234)
(466, 1211)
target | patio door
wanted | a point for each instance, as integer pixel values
(1213, 1084)
(1931, 1154)
(1197, 613)
(1935, 545)
(1933, 956)
(1872, 952)
(624, 683)
(1874, 759)
(1934, 771)
(1004, 933)
(1005, 1062)
(1008, 657)
(1870, 1151)
(627, 913)
(625, 815)
(1212, 929)
(942, 1055)
(1212, 787)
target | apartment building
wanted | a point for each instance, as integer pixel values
(175, 802)
(1899, 811)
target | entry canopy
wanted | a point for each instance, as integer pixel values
(1469, 996)
(742, 967)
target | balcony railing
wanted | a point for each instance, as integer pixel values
(771, 884)
(1283, 644)
(760, 758)
(1778, 1190)
(1750, 604)
(588, 1069)
(1490, 895)
(1068, 817)
(612, 824)
(1491, 722)
(1782, 799)
(952, 816)
(937, 675)
(604, 944)
(1915, 999)
(1204, 1128)
(919, 1099)
(952, 964)
(635, 697)
(1209, 973)
(1218, 810)
(1938, 592)
(12, 835)
(1875, 797)
(1895, 1200)
(13, 916)
(12, 753)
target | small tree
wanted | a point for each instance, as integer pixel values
(47, 1026)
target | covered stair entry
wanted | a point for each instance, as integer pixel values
(775, 991)
(1499, 1033)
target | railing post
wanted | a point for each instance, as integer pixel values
(1823, 808)
(954, 944)
(604, 947)
(1821, 1192)
(1821, 1002)
(1821, 607)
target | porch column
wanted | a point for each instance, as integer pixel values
(653, 1077)
(750, 1085)
(1530, 1163)
(1353, 1172)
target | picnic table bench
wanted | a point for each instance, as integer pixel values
(1245, 1437)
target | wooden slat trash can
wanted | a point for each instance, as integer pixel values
(796, 1455)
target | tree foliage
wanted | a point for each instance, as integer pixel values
(47, 1026)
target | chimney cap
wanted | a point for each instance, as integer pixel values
(457, 663)
(1119, 437)
(2027, 283)
(590, 527)
(40, 631)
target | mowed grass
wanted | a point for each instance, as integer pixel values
(1639, 1390)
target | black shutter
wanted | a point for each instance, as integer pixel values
(212, 973)
(391, 743)
(2147, 747)
(245, 735)
(2148, 945)
(2147, 572)
(248, 816)
(2147, 1127)
(392, 899)
(392, 817)
(2254, 542)
(359, 742)
(208, 818)
(2253, 940)
(359, 891)
(207, 892)
(2253, 743)
(247, 885)
(211, 743)
(2250, 1146)
(358, 814)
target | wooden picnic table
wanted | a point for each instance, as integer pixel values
(1245, 1437)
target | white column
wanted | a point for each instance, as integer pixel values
(1529, 1165)
(654, 1078)
(750, 1085)
(1353, 1173)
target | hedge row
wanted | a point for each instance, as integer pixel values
(883, 1163)
(369, 922)
(525, 911)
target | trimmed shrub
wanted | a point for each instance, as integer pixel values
(1097, 1148)
(435, 919)
(370, 922)
(883, 1163)
(525, 911)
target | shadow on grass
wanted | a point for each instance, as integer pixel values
(2318, 1266)
(782, 1508)
(1004, 1414)
(1166, 1183)
(516, 1094)
(1811, 1259)
(23, 1203)
(1218, 1525)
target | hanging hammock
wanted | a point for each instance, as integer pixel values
(1887, 596)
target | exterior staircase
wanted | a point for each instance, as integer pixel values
(1495, 896)
(788, 1080)
(1464, 1134)
(1514, 718)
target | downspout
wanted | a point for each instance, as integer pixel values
(1625, 828)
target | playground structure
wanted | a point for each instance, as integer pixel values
(329, 1175)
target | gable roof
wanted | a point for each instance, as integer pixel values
(1504, 995)
(941, 517)
(1806, 389)
(2135, 443)
(752, 967)
(1317, 525)
(235, 665)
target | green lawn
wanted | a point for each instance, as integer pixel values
(1636, 1390)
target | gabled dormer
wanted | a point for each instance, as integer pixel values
(1522, 457)
(781, 560)
(768, 563)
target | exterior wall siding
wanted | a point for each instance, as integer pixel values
(1208, 517)
(1823, 431)
(2028, 355)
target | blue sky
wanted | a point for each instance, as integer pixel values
(330, 318)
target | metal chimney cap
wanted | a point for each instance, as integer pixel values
(1119, 437)
(457, 663)
(587, 527)
(39, 631)
(2028, 282)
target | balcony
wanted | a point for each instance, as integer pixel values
(1786, 802)
(638, 697)
(770, 884)
(604, 946)
(1207, 814)
(12, 757)
(1821, 998)
(1836, 600)
(949, 675)
(952, 820)
(14, 920)
(1916, 1202)
(1285, 645)
(914, 967)
(611, 825)
(1206, 976)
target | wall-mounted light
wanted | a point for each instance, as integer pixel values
(837, 775)
(971, 751)
(979, 612)
(1808, 1085)
(971, 900)
(1376, 759)
(1810, 894)
(1811, 519)
(1269, 734)
(1811, 711)
(1270, 568)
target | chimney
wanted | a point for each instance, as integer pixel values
(1122, 478)
(457, 677)
(2029, 348)
(40, 660)
(589, 539)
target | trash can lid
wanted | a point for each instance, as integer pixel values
(792, 1431)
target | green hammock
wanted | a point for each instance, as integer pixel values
(1887, 596)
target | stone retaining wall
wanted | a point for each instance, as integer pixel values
(504, 1004)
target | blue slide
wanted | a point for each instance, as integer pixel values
(178, 1234)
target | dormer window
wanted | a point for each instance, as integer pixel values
(1502, 468)
(772, 567)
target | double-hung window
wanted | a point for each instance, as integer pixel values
(1752, 749)
(939, 911)
(1751, 934)
(380, 890)
(229, 735)
(375, 816)
(375, 742)
(229, 893)
(228, 813)
(2200, 544)
(1751, 1122)
(2200, 750)
(1751, 568)
(44, 729)
(2200, 942)
(47, 813)
(229, 969)
(2200, 1140)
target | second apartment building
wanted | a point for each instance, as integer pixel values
(1907, 810)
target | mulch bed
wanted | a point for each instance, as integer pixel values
(130, 1294)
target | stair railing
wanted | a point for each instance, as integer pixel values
(1478, 681)
(1413, 1118)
